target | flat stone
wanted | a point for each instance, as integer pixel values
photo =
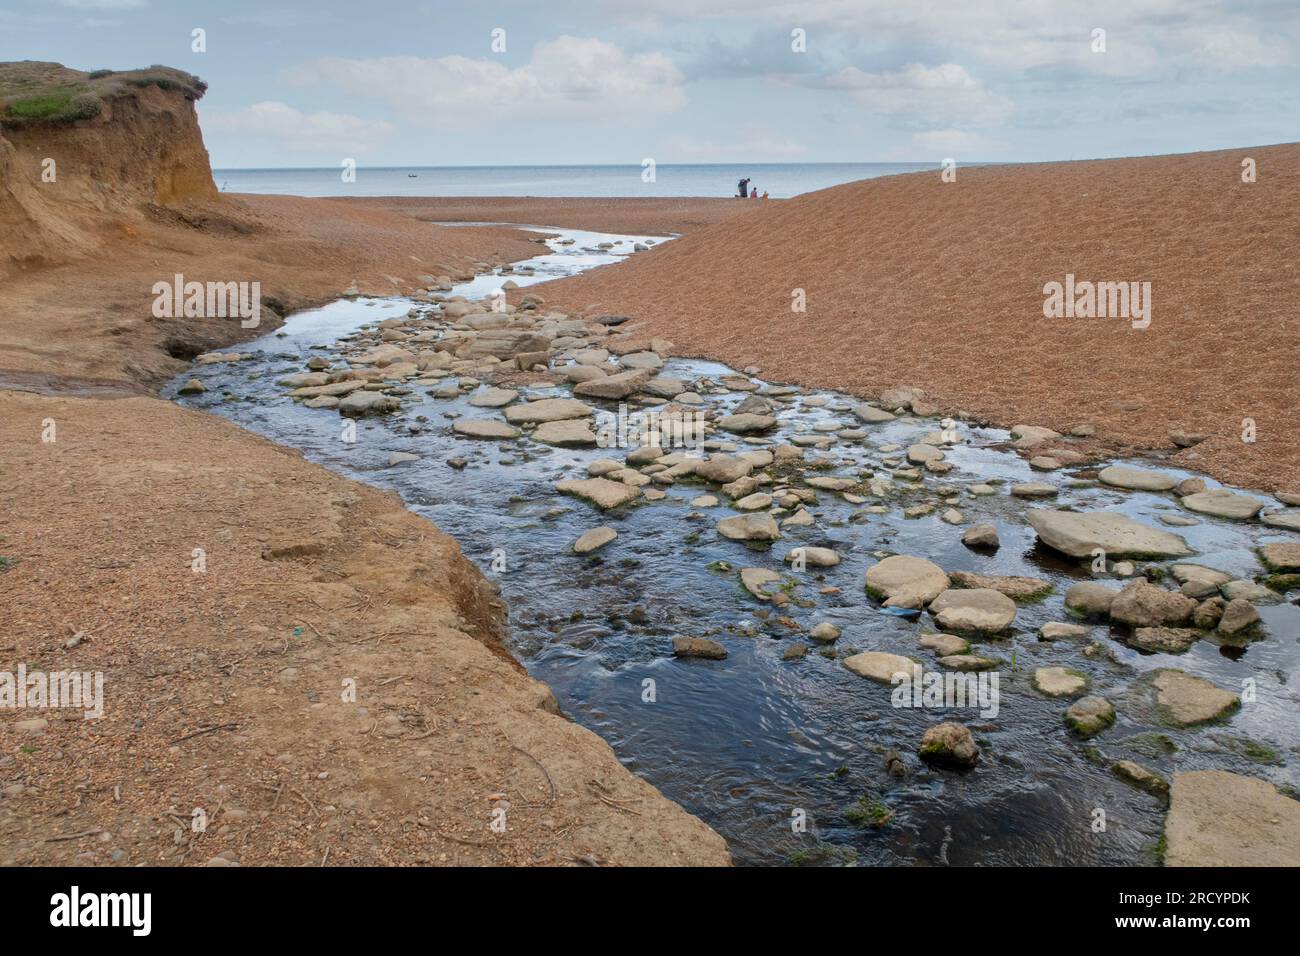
(945, 645)
(1140, 777)
(745, 424)
(813, 557)
(572, 433)
(1060, 631)
(593, 539)
(1034, 489)
(879, 666)
(758, 501)
(1281, 557)
(759, 582)
(967, 662)
(1013, 586)
(723, 469)
(1290, 520)
(1217, 818)
(981, 609)
(750, 527)
(1059, 682)
(547, 410)
(400, 457)
(494, 398)
(484, 428)
(907, 582)
(1079, 534)
(1250, 591)
(601, 492)
(1136, 479)
(872, 415)
(1186, 700)
(1090, 598)
(1221, 503)
(361, 403)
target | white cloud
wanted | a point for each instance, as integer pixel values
(956, 143)
(319, 132)
(568, 78)
(944, 94)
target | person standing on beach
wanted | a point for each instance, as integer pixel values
(744, 188)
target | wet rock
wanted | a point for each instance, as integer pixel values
(825, 633)
(746, 424)
(800, 518)
(920, 454)
(949, 745)
(594, 539)
(620, 385)
(1059, 682)
(1189, 486)
(571, 433)
(1034, 489)
(1222, 503)
(603, 466)
(322, 401)
(1044, 463)
(1135, 479)
(1290, 520)
(723, 468)
(601, 492)
(400, 457)
(1089, 716)
(1185, 700)
(879, 666)
(813, 557)
(981, 536)
(872, 415)
(1239, 616)
(1140, 777)
(967, 662)
(1281, 557)
(1090, 598)
(795, 652)
(1142, 604)
(945, 645)
(698, 647)
(548, 410)
(488, 428)
(755, 502)
(1164, 640)
(1217, 818)
(494, 398)
(1208, 613)
(361, 403)
(583, 373)
(906, 581)
(751, 527)
(1013, 586)
(981, 610)
(1060, 631)
(1250, 591)
(1079, 534)
(192, 387)
(760, 582)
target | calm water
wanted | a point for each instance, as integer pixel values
(744, 741)
(781, 180)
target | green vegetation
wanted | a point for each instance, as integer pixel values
(47, 93)
(868, 813)
(7, 563)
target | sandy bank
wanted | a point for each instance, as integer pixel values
(312, 582)
(913, 281)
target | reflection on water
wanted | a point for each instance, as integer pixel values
(746, 742)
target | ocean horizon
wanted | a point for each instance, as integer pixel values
(779, 180)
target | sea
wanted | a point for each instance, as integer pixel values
(779, 180)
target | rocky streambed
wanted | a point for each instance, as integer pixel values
(730, 608)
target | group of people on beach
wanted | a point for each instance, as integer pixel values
(745, 190)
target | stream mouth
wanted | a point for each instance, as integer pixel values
(755, 743)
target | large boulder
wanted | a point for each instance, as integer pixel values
(1079, 534)
(1185, 701)
(548, 410)
(906, 581)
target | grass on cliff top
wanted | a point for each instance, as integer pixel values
(35, 92)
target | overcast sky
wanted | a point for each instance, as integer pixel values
(616, 81)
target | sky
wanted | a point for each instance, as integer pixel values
(523, 82)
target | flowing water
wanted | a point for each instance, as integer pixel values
(748, 742)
